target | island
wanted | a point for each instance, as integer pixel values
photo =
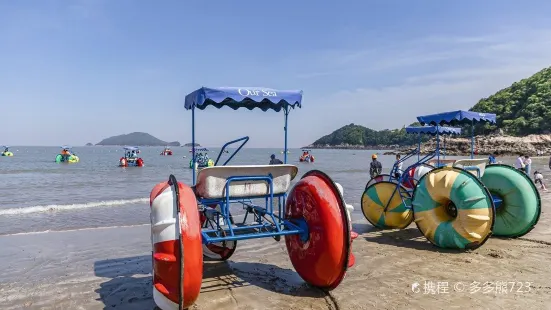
(523, 112)
(191, 144)
(89, 144)
(136, 139)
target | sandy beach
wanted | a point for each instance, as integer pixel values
(109, 268)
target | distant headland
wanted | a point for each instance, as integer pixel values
(136, 139)
(522, 109)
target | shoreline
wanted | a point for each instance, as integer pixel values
(531, 145)
(111, 268)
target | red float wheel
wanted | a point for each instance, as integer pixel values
(322, 255)
(175, 233)
(139, 162)
(123, 162)
(220, 251)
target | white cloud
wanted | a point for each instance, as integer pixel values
(456, 72)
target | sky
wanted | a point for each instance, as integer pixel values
(78, 71)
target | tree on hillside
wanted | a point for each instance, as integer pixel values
(522, 108)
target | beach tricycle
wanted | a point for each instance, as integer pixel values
(6, 151)
(458, 203)
(192, 222)
(166, 152)
(130, 158)
(306, 157)
(66, 156)
(202, 158)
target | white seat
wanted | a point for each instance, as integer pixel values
(443, 162)
(479, 163)
(211, 181)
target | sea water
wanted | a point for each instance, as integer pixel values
(38, 195)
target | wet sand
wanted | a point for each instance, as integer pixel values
(110, 268)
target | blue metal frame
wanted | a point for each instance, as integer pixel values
(246, 138)
(497, 200)
(266, 222)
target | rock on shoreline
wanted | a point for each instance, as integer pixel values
(484, 145)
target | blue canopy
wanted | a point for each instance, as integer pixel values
(200, 150)
(456, 118)
(131, 148)
(65, 147)
(244, 97)
(5, 146)
(433, 130)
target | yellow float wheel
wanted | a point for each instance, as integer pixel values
(453, 209)
(395, 198)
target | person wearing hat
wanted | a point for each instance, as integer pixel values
(275, 161)
(375, 167)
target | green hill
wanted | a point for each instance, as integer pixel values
(136, 139)
(359, 136)
(523, 108)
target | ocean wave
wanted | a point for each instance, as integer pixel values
(50, 208)
(72, 230)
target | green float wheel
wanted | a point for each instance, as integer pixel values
(520, 209)
(59, 158)
(453, 209)
(383, 193)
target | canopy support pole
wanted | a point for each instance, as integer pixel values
(193, 141)
(437, 145)
(419, 148)
(472, 139)
(444, 148)
(286, 112)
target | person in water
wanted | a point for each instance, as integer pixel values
(274, 160)
(538, 178)
(375, 167)
(519, 164)
(492, 158)
(132, 156)
(527, 164)
(399, 167)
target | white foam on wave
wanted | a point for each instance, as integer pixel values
(50, 208)
(72, 230)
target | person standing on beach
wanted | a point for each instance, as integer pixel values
(399, 164)
(492, 158)
(520, 163)
(527, 164)
(375, 167)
